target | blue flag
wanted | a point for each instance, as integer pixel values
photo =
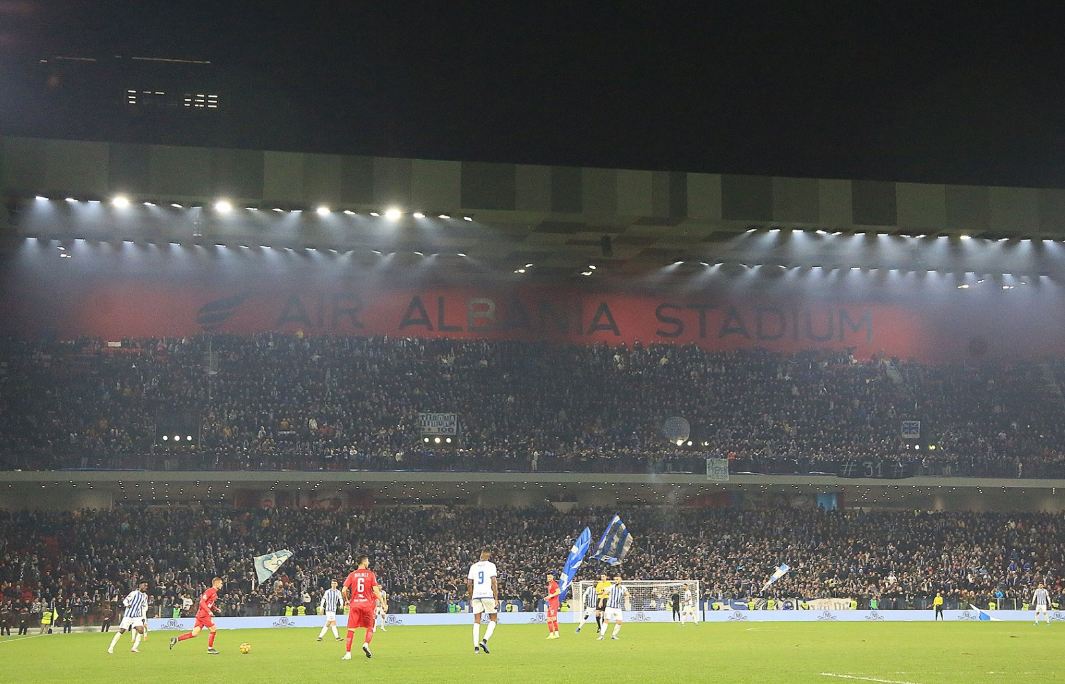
(267, 564)
(777, 574)
(573, 562)
(615, 543)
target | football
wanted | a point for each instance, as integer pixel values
(245, 647)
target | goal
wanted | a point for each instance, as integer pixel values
(649, 600)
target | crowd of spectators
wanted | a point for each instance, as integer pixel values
(85, 562)
(276, 401)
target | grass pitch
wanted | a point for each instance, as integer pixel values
(910, 653)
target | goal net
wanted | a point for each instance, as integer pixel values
(651, 599)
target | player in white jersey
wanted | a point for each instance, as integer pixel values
(687, 605)
(136, 603)
(1041, 601)
(618, 599)
(482, 589)
(330, 604)
(588, 606)
(379, 613)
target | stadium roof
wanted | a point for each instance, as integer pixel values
(562, 219)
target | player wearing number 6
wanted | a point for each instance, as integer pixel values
(482, 588)
(362, 593)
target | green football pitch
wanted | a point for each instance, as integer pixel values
(918, 653)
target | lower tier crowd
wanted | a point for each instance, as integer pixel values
(83, 563)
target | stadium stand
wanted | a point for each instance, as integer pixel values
(275, 401)
(83, 561)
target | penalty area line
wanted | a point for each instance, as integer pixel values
(865, 679)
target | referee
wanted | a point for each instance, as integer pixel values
(675, 601)
(602, 593)
(937, 603)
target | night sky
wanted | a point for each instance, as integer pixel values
(894, 92)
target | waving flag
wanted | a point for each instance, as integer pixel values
(777, 574)
(267, 564)
(615, 543)
(573, 562)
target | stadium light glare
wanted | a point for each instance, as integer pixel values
(418, 215)
(120, 201)
(963, 236)
(71, 199)
(176, 205)
(591, 267)
(425, 439)
(374, 214)
(586, 273)
(436, 440)
(177, 438)
(445, 216)
(223, 206)
(40, 198)
(393, 214)
(461, 254)
(680, 442)
(188, 438)
(448, 440)
(166, 438)
(519, 270)
(349, 212)
(279, 210)
(467, 218)
(322, 210)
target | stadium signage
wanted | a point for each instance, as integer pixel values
(438, 423)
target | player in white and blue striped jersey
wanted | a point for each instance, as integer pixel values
(330, 603)
(617, 601)
(136, 604)
(1041, 600)
(588, 606)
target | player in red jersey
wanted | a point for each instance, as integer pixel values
(552, 599)
(204, 617)
(362, 593)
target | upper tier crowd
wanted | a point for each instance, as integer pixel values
(87, 560)
(277, 401)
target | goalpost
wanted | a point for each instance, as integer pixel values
(646, 596)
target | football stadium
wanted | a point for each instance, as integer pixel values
(310, 416)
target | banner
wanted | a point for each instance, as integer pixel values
(911, 429)
(438, 424)
(717, 469)
(269, 563)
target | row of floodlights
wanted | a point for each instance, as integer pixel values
(225, 206)
(437, 440)
(176, 438)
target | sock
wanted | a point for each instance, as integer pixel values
(347, 645)
(114, 639)
(598, 622)
(136, 638)
(325, 628)
(369, 636)
(186, 635)
(477, 633)
(584, 618)
(602, 628)
(210, 640)
(488, 632)
(336, 635)
(617, 628)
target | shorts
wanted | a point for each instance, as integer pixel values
(601, 604)
(360, 616)
(330, 616)
(130, 623)
(589, 610)
(484, 605)
(1041, 609)
(612, 614)
(204, 621)
(552, 612)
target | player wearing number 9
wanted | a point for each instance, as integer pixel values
(482, 589)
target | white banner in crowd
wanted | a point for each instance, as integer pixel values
(438, 423)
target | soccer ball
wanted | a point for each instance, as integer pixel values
(245, 648)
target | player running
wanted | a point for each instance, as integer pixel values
(330, 605)
(204, 617)
(136, 603)
(381, 613)
(1041, 600)
(482, 589)
(552, 598)
(618, 597)
(362, 593)
(588, 608)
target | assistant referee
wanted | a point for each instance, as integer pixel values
(937, 603)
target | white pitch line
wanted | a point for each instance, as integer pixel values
(865, 679)
(22, 638)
